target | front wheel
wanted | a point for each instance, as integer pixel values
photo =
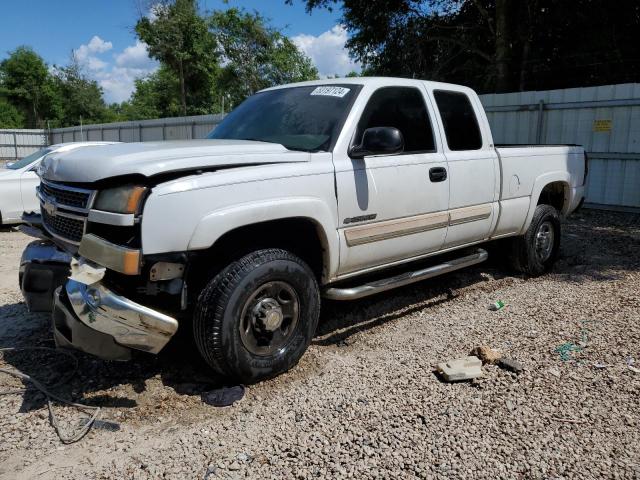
(256, 318)
(535, 252)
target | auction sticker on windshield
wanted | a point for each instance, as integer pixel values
(329, 91)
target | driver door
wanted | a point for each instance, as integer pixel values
(393, 208)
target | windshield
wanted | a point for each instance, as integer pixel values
(29, 159)
(299, 118)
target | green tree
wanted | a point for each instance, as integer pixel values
(178, 37)
(155, 96)
(10, 116)
(255, 55)
(81, 97)
(27, 84)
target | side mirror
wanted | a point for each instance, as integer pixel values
(379, 141)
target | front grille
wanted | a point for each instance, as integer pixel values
(75, 198)
(65, 210)
(65, 227)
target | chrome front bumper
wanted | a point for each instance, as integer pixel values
(130, 324)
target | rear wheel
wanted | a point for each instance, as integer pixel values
(256, 318)
(536, 251)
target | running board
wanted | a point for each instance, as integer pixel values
(405, 278)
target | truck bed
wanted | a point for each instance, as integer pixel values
(522, 168)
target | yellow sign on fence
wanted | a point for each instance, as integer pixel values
(602, 125)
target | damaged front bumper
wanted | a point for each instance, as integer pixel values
(91, 318)
(129, 323)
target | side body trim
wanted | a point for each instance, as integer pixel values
(384, 230)
(375, 232)
(469, 214)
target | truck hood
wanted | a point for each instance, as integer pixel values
(90, 164)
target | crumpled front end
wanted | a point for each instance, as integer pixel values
(91, 318)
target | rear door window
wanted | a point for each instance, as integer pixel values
(404, 109)
(460, 122)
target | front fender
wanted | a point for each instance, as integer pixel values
(215, 224)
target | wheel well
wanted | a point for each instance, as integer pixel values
(554, 194)
(300, 236)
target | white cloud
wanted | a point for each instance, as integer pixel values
(116, 73)
(135, 56)
(328, 51)
(118, 83)
(94, 63)
(98, 45)
(95, 46)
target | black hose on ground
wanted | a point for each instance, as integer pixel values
(51, 396)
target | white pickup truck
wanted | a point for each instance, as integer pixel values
(335, 188)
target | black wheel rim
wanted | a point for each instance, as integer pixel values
(269, 317)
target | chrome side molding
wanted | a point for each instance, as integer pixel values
(406, 278)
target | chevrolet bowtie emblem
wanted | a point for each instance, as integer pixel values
(50, 208)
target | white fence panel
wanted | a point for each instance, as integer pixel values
(179, 128)
(604, 119)
(16, 144)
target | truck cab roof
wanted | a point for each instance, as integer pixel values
(375, 82)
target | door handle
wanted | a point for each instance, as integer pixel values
(437, 174)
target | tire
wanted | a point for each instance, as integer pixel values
(256, 318)
(536, 251)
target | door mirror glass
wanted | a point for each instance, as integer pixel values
(379, 141)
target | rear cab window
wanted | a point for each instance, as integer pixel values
(403, 108)
(459, 120)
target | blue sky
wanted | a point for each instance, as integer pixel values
(101, 34)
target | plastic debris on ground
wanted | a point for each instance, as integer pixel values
(223, 396)
(566, 349)
(511, 365)
(497, 305)
(465, 368)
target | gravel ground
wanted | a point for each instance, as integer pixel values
(364, 401)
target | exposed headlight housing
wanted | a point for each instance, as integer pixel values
(126, 199)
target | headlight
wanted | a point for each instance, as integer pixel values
(127, 199)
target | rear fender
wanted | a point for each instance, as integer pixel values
(541, 182)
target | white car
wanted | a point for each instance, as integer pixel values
(18, 182)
